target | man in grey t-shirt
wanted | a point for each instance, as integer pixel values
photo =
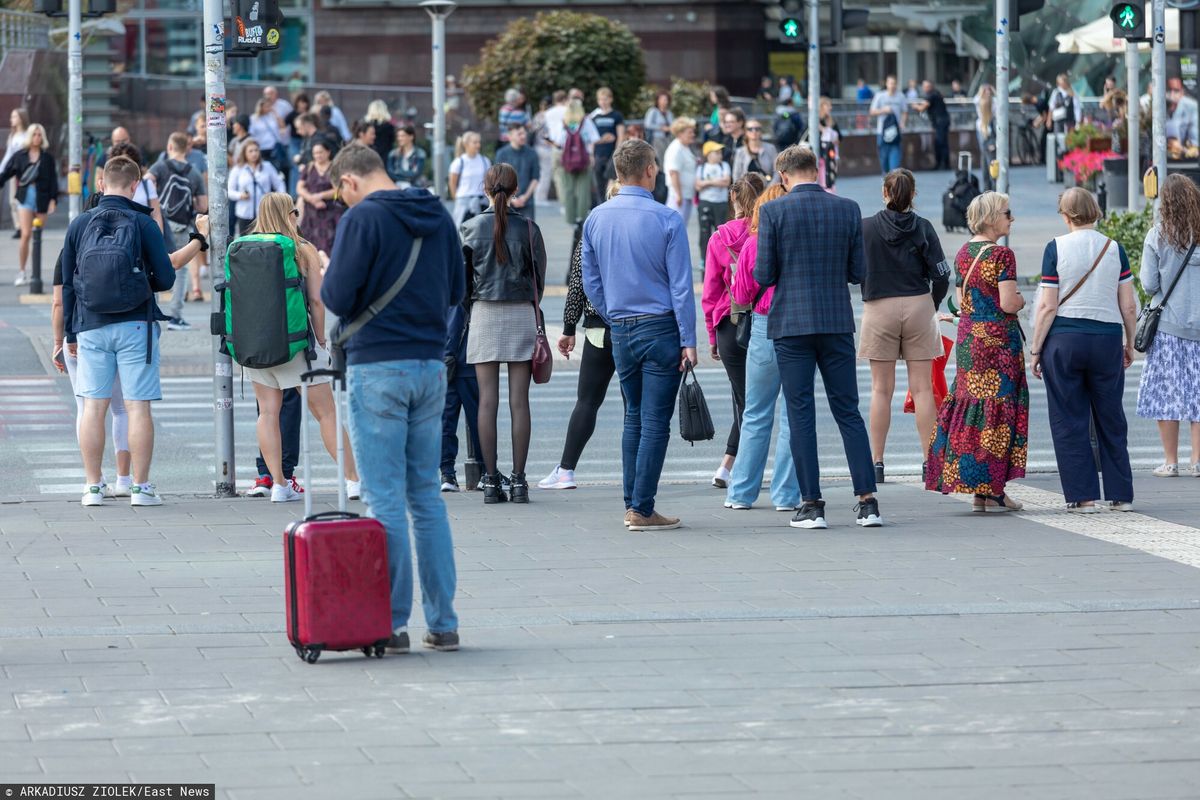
(890, 101)
(522, 158)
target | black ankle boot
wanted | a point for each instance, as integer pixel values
(493, 492)
(519, 487)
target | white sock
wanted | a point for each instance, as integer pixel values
(124, 481)
(723, 473)
(146, 486)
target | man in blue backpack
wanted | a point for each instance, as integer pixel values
(114, 260)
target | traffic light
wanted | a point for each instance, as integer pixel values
(1018, 7)
(1129, 20)
(842, 18)
(790, 30)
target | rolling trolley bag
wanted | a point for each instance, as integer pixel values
(337, 591)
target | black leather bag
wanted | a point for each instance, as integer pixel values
(695, 423)
(1147, 324)
(745, 323)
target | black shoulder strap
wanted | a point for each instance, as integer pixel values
(1187, 258)
(372, 311)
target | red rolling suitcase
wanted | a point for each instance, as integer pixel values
(337, 591)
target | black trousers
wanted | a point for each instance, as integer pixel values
(599, 180)
(596, 368)
(289, 434)
(711, 216)
(1085, 380)
(733, 357)
(941, 144)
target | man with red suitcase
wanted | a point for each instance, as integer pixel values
(395, 373)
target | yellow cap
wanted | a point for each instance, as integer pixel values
(710, 147)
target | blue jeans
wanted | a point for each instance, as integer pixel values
(889, 155)
(762, 389)
(462, 394)
(647, 354)
(799, 358)
(396, 433)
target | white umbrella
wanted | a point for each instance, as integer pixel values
(1096, 37)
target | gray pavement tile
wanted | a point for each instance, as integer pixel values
(198, 744)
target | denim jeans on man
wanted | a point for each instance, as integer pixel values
(396, 432)
(462, 394)
(799, 358)
(289, 434)
(889, 154)
(762, 390)
(647, 353)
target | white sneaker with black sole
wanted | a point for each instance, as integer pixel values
(811, 516)
(353, 490)
(868, 513)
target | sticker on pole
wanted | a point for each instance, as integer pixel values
(223, 370)
(223, 403)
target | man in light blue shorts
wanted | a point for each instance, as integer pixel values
(114, 261)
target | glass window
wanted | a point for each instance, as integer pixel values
(173, 47)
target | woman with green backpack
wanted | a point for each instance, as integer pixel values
(276, 223)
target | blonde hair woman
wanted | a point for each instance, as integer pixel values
(466, 178)
(680, 166)
(277, 214)
(380, 118)
(576, 182)
(37, 189)
(981, 441)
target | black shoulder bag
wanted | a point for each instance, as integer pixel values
(1147, 324)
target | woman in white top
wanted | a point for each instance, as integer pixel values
(249, 182)
(680, 165)
(18, 137)
(1082, 345)
(466, 178)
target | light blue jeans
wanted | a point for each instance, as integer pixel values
(396, 432)
(762, 390)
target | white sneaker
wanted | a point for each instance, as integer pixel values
(786, 508)
(144, 495)
(558, 479)
(120, 489)
(284, 493)
(1079, 508)
(1196, 470)
(353, 490)
(1118, 505)
(737, 506)
(21, 279)
(93, 495)
(1167, 471)
(722, 478)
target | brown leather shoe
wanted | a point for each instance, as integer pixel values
(628, 515)
(655, 522)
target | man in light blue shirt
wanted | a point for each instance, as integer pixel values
(637, 271)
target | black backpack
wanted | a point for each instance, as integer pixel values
(110, 277)
(695, 423)
(175, 196)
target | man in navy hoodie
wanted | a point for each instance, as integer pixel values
(396, 376)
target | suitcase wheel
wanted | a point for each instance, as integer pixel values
(376, 650)
(309, 654)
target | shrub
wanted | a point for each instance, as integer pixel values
(688, 98)
(1129, 230)
(1081, 135)
(557, 50)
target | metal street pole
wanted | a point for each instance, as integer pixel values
(1133, 124)
(1158, 72)
(74, 106)
(213, 36)
(438, 10)
(814, 76)
(1002, 80)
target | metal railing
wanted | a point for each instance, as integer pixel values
(22, 31)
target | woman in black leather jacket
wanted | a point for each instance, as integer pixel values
(506, 275)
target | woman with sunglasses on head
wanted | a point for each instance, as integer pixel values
(277, 214)
(755, 155)
(981, 442)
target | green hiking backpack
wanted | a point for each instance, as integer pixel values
(263, 321)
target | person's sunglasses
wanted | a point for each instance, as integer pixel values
(754, 129)
(337, 191)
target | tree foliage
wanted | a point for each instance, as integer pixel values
(688, 98)
(557, 50)
(1129, 229)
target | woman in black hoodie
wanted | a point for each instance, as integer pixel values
(907, 277)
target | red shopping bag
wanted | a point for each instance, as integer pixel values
(939, 378)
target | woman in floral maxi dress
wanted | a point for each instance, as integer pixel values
(981, 441)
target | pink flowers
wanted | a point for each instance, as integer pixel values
(1084, 164)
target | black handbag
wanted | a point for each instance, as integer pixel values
(1147, 324)
(745, 322)
(695, 423)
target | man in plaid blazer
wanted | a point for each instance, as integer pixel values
(810, 247)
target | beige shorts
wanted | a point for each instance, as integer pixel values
(900, 329)
(287, 376)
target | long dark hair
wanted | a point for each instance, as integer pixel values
(500, 183)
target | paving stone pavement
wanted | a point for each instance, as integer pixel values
(946, 655)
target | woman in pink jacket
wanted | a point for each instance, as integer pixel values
(762, 388)
(720, 316)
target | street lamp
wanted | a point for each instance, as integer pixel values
(438, 10)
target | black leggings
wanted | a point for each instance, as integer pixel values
(519, 375)
(733, 357)
(596, 368)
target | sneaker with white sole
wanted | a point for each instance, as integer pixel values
(178, 324)
(353, 490)
(722, 478)
(737, 506)
(93, 495)
(1195, 471)
(21, 279)
(868, 513)
(284, 493)
(1166, 471)
(1121, 505)
(1080, 508)
(120, 489)
(262, 487)
(654, 522)
(449, 483)
(558, 479)
(144, 494)
(810, 516)
(787, 509)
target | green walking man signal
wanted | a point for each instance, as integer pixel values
(789, 27)
(1129, 21)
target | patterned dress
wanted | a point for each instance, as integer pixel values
(320, 224)
(981, 441)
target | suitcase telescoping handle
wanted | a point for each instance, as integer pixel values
(338, 380)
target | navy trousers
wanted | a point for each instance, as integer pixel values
(1085, 380)
(462, 393)
(289, 434)
(799, 358)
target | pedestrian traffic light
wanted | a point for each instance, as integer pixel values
(790, 30)
(842, 18)
(257, 26)
(1129, 20)
(1018, 7)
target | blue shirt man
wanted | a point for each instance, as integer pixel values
(637, 271)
